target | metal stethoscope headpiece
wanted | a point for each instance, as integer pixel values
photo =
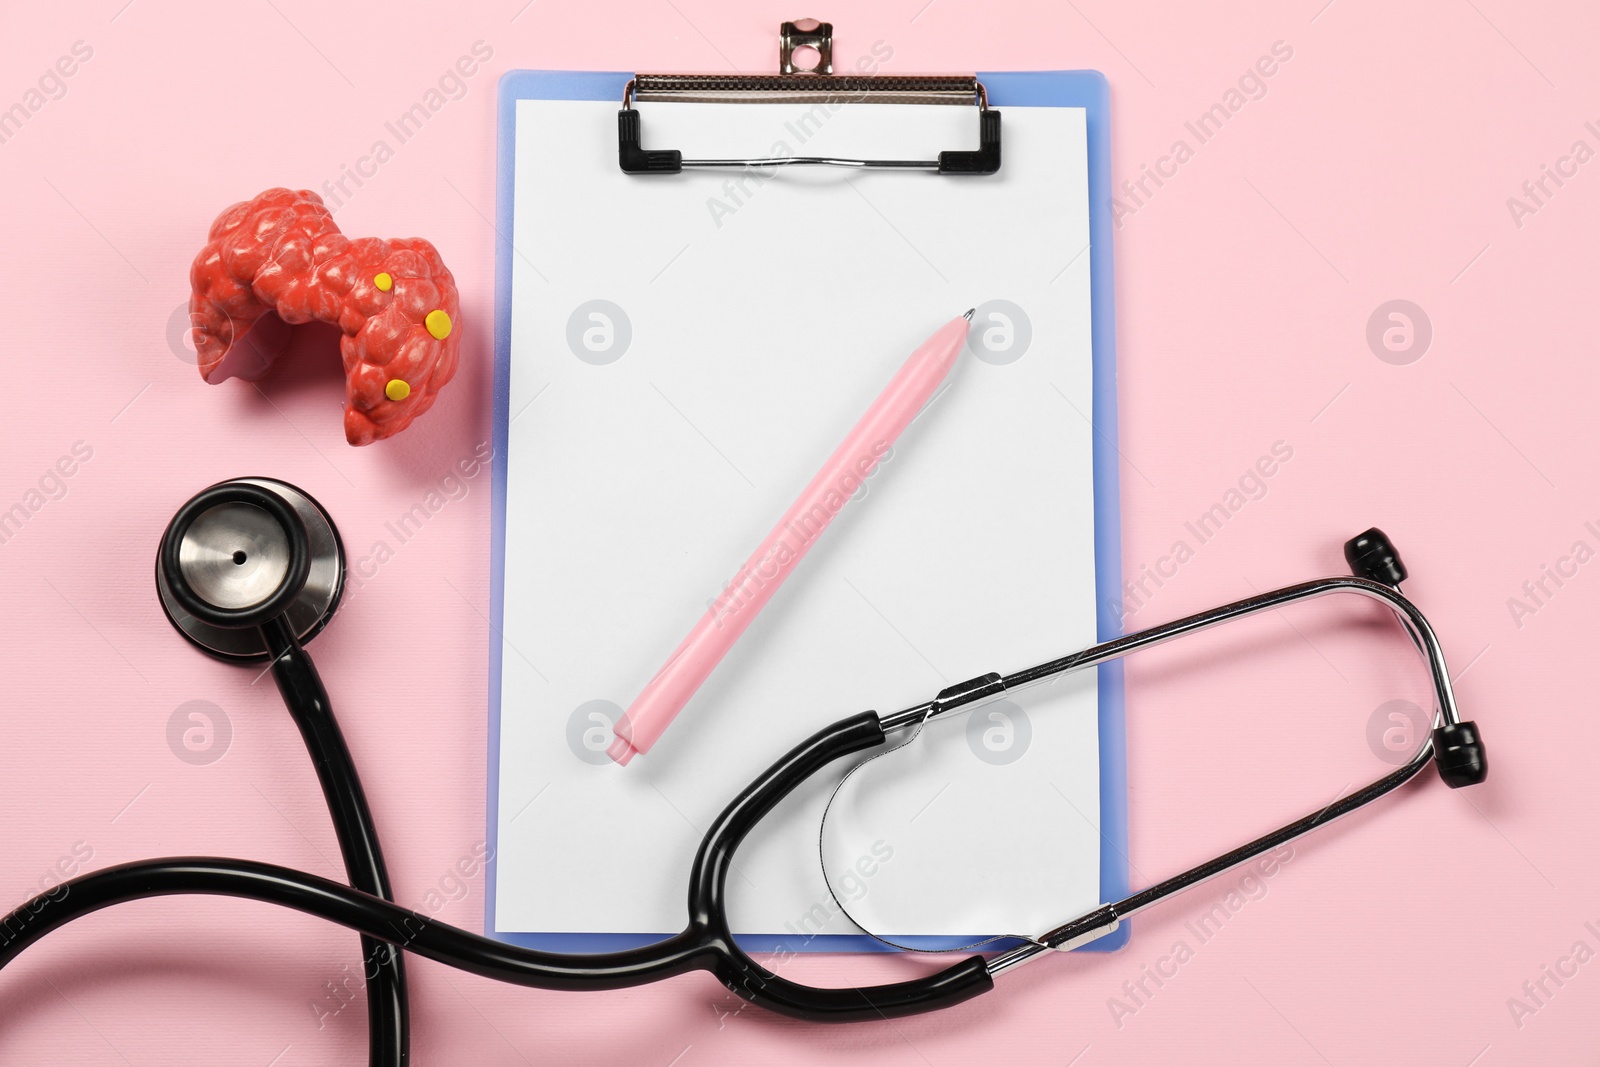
(1454, 747)
(243, 555)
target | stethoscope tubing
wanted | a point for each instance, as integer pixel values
(375, 917)
(388, 1003)
(706, 943)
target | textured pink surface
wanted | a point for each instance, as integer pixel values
(1376, 166)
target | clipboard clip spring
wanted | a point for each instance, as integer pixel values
(798, 84)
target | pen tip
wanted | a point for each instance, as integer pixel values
(967, 314)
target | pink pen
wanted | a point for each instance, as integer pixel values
(744, 597)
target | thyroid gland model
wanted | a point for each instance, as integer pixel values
(280, 258)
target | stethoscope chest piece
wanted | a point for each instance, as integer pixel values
(244, 552)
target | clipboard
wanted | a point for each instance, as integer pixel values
(526, 723)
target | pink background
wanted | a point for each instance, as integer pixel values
(1376, 167)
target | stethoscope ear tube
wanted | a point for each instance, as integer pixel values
(1454, 747)
(1458, 751)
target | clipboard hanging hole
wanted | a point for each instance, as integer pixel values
(806, 59)
(805, 46)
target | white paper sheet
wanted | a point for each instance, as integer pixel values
(747, 324)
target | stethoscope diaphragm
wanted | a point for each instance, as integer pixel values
(241, 552)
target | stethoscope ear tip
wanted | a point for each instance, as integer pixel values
(1372, 555)
(1457, 747)
(1458, 753)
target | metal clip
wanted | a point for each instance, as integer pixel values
(815, 85)
(805, 33)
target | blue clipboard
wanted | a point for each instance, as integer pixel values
(1068, 89)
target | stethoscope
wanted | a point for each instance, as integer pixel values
(250, 570)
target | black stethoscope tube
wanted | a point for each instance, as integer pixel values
(707, 942)
(388, 1003)
(388, 1006)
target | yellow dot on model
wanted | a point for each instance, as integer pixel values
(397, 389)
(383, 282)
(438, 324)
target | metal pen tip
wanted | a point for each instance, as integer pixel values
(967, 314)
